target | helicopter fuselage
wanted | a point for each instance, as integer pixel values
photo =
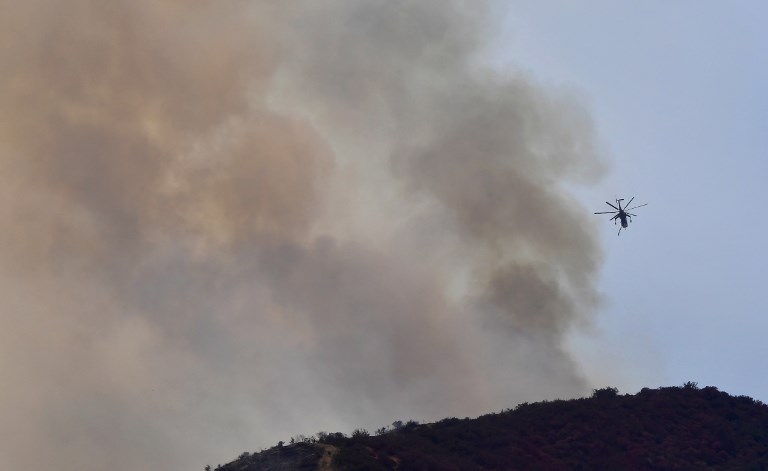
(623, 219)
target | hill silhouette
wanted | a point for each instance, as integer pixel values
(670, 428)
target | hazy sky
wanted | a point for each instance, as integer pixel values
(677, 91)
(226, 223)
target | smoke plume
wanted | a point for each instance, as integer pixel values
(225, 223)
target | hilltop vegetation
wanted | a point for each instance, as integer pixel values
(671, 428)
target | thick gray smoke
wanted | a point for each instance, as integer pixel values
(225, 223)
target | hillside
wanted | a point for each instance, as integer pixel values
(671, 428)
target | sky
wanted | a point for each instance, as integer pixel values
(228, 223)
(677, 92)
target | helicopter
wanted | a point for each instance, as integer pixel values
(622, 214)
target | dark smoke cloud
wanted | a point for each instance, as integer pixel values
(225, 223)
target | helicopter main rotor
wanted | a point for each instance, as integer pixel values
(622, 213)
